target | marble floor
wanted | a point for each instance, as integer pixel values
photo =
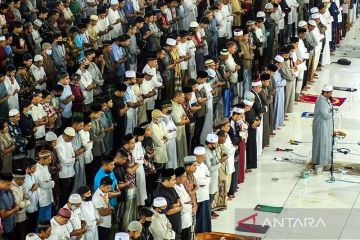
(338, 203)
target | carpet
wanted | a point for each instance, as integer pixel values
(227, 236)
(266, 208)
(308, 98)
(307, 115)
(252, 228)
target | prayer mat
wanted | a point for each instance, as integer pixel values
(308, 98)
(307, 115)
(266, 208)
(227, 236)
(347, 89)
(252, 228)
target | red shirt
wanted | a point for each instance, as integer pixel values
(78, 102)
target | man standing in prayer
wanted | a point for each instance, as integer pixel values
(170, 126)
(180, 119)
(323, 128)
(166, 190)
(202, 176)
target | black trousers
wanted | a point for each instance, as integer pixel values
(199, 124)
(234, 178)
(20, 230)
(103, 232)
(186, 234)
(66, 187)
(32, 222)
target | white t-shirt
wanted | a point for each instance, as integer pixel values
(37, 113)
(99, 202)
(59, 232)
(85, 81)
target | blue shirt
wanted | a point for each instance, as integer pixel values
(118, 54)
(6, 203)
(99, 175)
(67, 109)
(79, 43)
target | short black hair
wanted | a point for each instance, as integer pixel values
(106, 181)
(145, 212)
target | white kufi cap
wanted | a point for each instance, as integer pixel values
(159, 202)
(312, 23)
(212, 138)
(256, 83)
(199, 151)
(130, 74)
(314, 10)
(75, 198)
(171, 41)
(122, 236)
(211, 72)
(327, 88)
(69, 131)
(13, 112)
(50, 136)
(194, 24)
(238, 110)
(302, 24)
(38, 58)
(260, 14)
(269, 6)
(279, 59)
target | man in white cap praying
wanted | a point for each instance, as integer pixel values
(160, 226)
(66, 155)
(77, 221)
(259, 110)
(202, 177)
(323, 128)
(131, 101)
(212, 161)
(38, 72)
(115, 19)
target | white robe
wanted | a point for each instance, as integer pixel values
(170, 126)
(209, 117)
(138, 154)
(90, 214)
(13, 100)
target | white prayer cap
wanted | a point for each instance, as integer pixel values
(249, 95)
(2, 38)
(256, 83)
(171, 41)
(159, 202)
(135, 226)
(13, 112)
(327, 88)
(238, 110)
(75, 198)
(269, 6)
(150, 71)
(114, 2)
(38, 58)
(194, 24)
(212, 138)
(211, 72)
(238, 32)
(50, 136)
(189, 159)
(38, 22)
(199, 150)
(224, 52)
(260, 14)
(209, 62)
(121, 236)
(94, 17)
(130, 74)
(279, 59)
(314, 10)
(32, 236)
(248, 102)
(315, 16)
(302, 24)
(69, 131)
(312, 23)
(325, 1)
